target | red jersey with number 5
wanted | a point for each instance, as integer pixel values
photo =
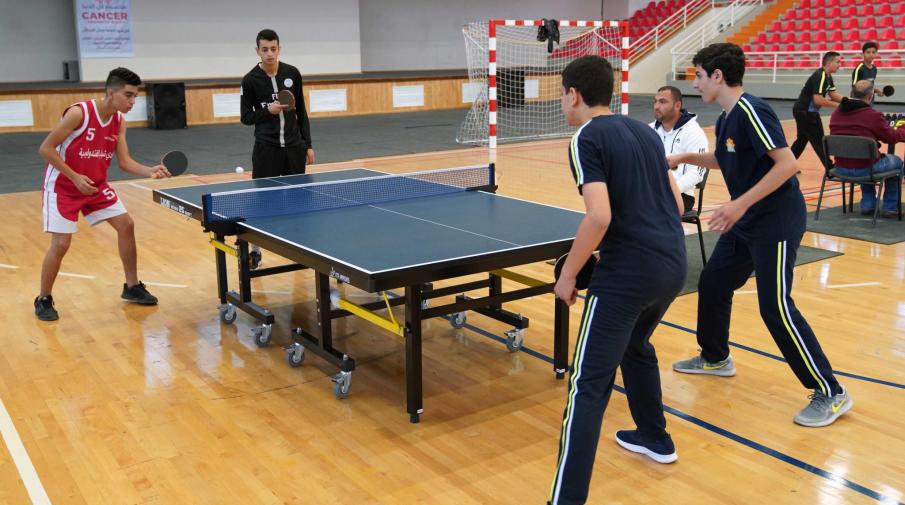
(87, 150)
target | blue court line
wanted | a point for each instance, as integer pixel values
(785, 458)
(780, 358)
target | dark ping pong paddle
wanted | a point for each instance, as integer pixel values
(285, 97)
(888, 90)
(583, 279)
(175, 162)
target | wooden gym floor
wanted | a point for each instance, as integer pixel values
(121, 404)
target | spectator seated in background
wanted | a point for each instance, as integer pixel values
(855, 116)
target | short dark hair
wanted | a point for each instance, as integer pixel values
(674, 91)
(267, 34)
(119, 77)
(869, 45)
(728, 58)
(829, 56)
(592, 76)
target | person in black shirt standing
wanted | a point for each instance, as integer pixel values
(761, 229)
(807, 108)
(282, 135)
(866, 70)
(633, 219)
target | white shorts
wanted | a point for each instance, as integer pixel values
(61, 210)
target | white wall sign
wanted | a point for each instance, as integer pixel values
(532, 88)
(470, 91)
(16, 113)
(104, 28)
(408, 96)
(226, 104)
(140, 111)
(327, 100)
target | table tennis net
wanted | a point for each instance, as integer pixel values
(303, 198)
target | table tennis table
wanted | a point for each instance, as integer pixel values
(380, 232)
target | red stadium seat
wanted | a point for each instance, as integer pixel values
(805, 62)
(805, 4)
(802, 37)
(758, 48)
(838, 46)
(853, 35)
(836, 36)
(901, 21)
(819, 25)
(891, 45)
(887, 22)
(901, 35)
(884, 10)
(804, 25)
(870, 22)
(819, 37)
(775, 48)
(776, 26)
(816, 4)
(789, 15)
(850, 12)
(787, 63)
(791, 48)
(761, 38)
(786, 26)
(847, 2)
(888, 34)
(803, 47)
(899, 9)
(788, 38)
(869, 34)
(866, 10)
(832, 3)
(746, 48)
(822, 47)
(773, 38)
(854, 46)
(894, 61)
(835, 14)
(851, 24)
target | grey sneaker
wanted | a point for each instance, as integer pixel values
(824, 410)
(697, 365)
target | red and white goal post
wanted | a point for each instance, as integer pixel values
(516, 83)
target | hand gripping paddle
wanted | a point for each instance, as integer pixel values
(175, 162)
(583, 279)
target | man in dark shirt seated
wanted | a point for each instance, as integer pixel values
(855, 116)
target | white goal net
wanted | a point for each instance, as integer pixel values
(515, 78)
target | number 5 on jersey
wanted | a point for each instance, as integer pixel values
(109, 193)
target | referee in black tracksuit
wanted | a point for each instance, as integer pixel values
(807, 108)
(282, 135)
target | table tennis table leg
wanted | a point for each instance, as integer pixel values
(413, 391)
(222, 282)
(560, 338)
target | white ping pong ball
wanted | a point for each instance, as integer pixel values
(239, 170)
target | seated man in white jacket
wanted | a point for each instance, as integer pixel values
(680, 132)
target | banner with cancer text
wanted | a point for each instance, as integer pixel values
(104, 28)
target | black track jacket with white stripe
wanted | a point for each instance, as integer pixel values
(288, 128)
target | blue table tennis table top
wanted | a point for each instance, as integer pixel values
(397, 235)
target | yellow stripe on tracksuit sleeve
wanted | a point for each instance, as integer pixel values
(570, 403)
(754, 122)
(820, 89)
(855, 74)
(576, 162)
(787, 321)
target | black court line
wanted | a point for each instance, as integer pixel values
(747, 442)
(780, 358)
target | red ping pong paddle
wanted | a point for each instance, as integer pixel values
(175, 162)
(285, 97)
(583, 279)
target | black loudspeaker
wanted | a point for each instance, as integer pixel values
(510, 87)
(166, 105)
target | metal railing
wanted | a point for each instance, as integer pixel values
(720, 20)
(676, 21)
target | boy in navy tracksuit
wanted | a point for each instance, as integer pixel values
(761, 230)
(633, 208)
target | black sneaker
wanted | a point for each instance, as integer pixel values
(138, 294)
(662, 451)
(44, 308)
(254, 259)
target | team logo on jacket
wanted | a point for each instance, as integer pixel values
(287, 82)
(730, 145)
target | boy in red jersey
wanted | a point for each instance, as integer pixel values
(78, 153)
